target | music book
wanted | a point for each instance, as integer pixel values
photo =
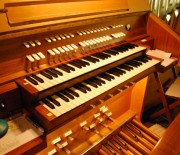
(20, 131)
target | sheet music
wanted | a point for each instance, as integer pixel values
(159, 54)
(162, 55)
(20, 131)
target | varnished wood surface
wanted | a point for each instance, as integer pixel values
(27, 14)
(123, 109)
(124, 106)
(169, 144)
(51, 122)
(73, 81)
(15, 54)
(10, 99)
(164, 37)
(32, 147)
(68, 7)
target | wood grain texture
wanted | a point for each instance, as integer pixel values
(169, 143)
(164, 37)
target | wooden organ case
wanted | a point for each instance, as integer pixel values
(80, 69)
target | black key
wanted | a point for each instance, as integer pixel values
(111, 77)
(111, 52)
(80, 88)
(113, 73)
(91, 83)
(84, 86)
(95, 81)
(102, 56)
(105, 55)
(56, 71)
(97, 55)
(31, 80)
(130, 63)
(125, 67)
(131, 46)
(145, 57)
(62, 97)
(118, 71)
(46, 75)
(53, 101)
(83, 63)
(122, 71)
(100, 80)
(64, 68)
(141, 59)
(51, 73)
(104, 77)
(67, 94)
(75, 64)
(91, 59)
(120, 49)
(37, 78)
(80, 63)
(69, 67)
(86, 63)
(72, 92)
(137, 62)
(50, 105)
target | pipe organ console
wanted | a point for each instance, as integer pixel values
(79, 69)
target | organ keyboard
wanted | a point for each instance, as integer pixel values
(81, 74)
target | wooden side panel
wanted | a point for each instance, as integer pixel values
(52, 11)
(169, 143)
(61, 11)
(137, 97)
(164, 37)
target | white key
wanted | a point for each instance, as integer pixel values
(94, 91)
(53, 111)
(66, 76)
(38, 87)
(82, 95)
(59, 109)
(78, 100)
(64, 105)
(46, 80)
(72, 101)
(42, 85)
